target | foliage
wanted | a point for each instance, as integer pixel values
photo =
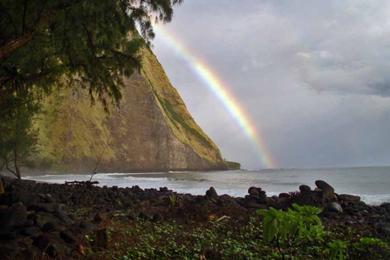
(93, 43)
(337, 250)
(222, 238)
(173, 200)
(233, 165)
(180, 121)
(70, 129)
(170, 240)
(84, 44)
(300, 224)
(17, 137)
(370, 248)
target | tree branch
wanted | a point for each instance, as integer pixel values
(43, 19)
(8, 168)
(12, 45)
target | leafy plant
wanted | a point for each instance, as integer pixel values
(337, 250)
(297, 225)
(173, 200)
(293, 227)
(370, 248)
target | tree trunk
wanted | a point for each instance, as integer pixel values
(17, 171)
(12, 45)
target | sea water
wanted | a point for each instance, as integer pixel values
(371, 183)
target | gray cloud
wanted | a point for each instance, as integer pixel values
(313, 75)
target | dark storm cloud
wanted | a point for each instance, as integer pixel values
(313, 75)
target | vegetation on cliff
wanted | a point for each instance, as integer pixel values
(174, 109)
(151, 112)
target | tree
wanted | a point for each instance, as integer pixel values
(79, 43)
(17, 137)
(93, 43)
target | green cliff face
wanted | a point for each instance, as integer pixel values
(151, 130)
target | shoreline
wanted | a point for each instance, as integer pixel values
(199, 182)
(57, 219)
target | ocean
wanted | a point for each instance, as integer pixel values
(371, 183)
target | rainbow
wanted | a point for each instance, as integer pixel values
(221, 91)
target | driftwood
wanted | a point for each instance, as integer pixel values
(81, 183)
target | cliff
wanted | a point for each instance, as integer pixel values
(151, 130)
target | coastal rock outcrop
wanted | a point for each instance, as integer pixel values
(62, 219)
(150, 130)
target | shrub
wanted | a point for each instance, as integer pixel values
(300, 224)
(337, 250)
(370, 248)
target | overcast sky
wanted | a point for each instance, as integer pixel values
(313, 75)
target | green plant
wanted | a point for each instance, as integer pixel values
(173, 200)
(298, 224)
(293, 227)
(337, 250)
(370, 248)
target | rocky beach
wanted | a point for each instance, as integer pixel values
(80, 220)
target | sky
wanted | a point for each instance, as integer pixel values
(313, 76)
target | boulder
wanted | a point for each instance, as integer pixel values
(257, 194)
(327, 191)
(304, 189)
(211, 193)
(31, 231)
(383, 229)
(45, 207)
(47, 198)
(7, 235)
(324, 186)
(60, 213)
(14, 216)
(348, 199)
(254, 205)
(334, 207)
(49, 226)
(67, 237)
(284, 195)
(253, 191)
(41, 242)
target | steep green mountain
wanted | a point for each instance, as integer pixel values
(151, 130)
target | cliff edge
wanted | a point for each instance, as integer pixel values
(151, 130)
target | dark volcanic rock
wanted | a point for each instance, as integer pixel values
(46, 207)
(31, 231)
(327, 191)
(211, 193)
(345, 198)
(253, 191)
(334, 207)
(14, 216)
(304, 189)
(49, 226)
(62, 215)
(41, 242)
(256, 195)
(67, 237)
(324, 186)
(7, 235)
(284, 195)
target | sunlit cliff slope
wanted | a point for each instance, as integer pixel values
(151, 130)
